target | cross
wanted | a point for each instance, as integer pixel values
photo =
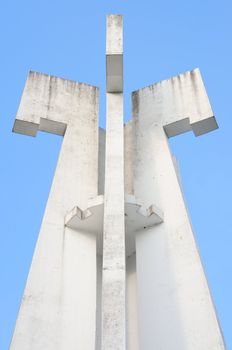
(139, 220)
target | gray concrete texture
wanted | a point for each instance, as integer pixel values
(116, 265)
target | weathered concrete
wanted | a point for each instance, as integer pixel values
(116, 265)
(129, 153)
(114, 54)
(132, 304)
(101, 161)
(175, 307)
(59, 303)
(114, 269)
(89, 220)
(181, 102)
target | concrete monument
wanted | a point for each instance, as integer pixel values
(116, 265)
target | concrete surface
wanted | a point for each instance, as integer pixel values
(58, 308)
(174, 302)
(114, 54)
(116, 265)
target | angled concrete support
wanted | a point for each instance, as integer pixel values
(175, 306)
(59, 302)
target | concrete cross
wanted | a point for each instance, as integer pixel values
(116, 266)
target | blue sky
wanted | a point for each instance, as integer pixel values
(162, 39)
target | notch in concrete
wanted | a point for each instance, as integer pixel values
(114, 53)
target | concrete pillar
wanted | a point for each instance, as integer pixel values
(113, 273)
(59, 301)
(175, 306)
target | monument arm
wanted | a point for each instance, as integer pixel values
(49, 103)
(180, 104)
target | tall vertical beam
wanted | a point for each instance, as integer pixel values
(113, 275)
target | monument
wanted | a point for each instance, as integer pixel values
(116, 265)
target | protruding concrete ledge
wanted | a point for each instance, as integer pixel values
(137, 218)
(89, 219)
(180, 104)
(199, 128)
(26, 128)
(50, 103)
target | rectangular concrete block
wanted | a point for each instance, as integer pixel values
(49, 103)
(114, 54)
(180, 104)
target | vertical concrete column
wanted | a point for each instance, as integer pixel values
(113, 275)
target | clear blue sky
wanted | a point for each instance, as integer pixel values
(162, 39)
